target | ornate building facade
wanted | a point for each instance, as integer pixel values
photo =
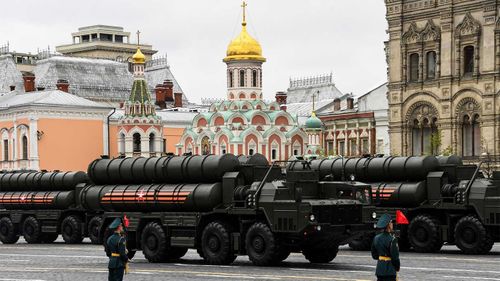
(443, 69)
(244, 123)
(140, 129)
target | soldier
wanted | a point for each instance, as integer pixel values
(116, 251)
(385, 250)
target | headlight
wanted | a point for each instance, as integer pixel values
(312, 217)
(374, 215)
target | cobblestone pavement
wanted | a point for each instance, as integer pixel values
(59, 261)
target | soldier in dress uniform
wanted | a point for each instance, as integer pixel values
(385, 250)
(116, 251)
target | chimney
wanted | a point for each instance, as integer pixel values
(29, 82)
(281, 99)
(178, 100)
(160, 92)
(62, 85)
(12, 88)
(336, 104)
(169, 94)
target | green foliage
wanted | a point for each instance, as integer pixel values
(436, 141)
(447, 151)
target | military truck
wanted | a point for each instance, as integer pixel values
(41, 205)
(225, 206)
(444, 200)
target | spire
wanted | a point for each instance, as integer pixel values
(244, 22)
(314, 110)
(138, 57)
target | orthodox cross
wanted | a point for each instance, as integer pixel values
(244, 5)
(138, 33)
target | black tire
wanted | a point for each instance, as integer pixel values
(8, 233)
(216, 244)
(93, 229)
(472, 237)
(322, 255)
(71, 230)
(424, 234)
(154, 243)
(49, 237)
(262, 247)
(32, 232)
(362, 243)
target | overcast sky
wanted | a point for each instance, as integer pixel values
(298, 37)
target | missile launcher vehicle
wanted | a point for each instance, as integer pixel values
(225, 206)
(444, 200)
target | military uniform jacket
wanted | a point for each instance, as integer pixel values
(386, 245)
(116, 245)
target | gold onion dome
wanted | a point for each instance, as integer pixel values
(139, 57)
(244, 46)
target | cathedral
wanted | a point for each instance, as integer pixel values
(244, 123)
(443, 67)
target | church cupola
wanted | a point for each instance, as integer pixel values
(244, 65)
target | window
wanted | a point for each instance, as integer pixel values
(431, 65)
(330, 147)
(25, 147)
(223, 149)
(254, 78)
(414, 59)
(137, 142)
(364, 146)
(471, 136)
(242, 78)
(6, 150)
(250, 151)
(295, 152)
(151, 142)
(273, 154)
(165, 145)
(230, 79)
(468, 60)
(354, 149)
(422, 133)
(342, 148)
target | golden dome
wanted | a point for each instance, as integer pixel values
(244, 46)
(139, 57)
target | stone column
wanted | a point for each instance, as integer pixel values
(34, 161)
(105, 148)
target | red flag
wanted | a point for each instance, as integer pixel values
(125, 221)
(401, 218)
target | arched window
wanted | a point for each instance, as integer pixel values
(250, 151)
(122, 144)
(242, 78)
(137, 142)
(254, 78)
(431, 65)
(223, 148)
(414, 59)
(422, 134)
(25, 147)
(230, 79)
(468, 60)
(151, 142)
(471, 136)
(5, 150)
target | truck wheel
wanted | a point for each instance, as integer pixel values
(8, 233)
(424, 234)
(362, 243)
(49, 237)
(261, 245)
(472, 237)
(216, 244)
(282, 254)
(154, 243)
(323, 255)
(32, 231)
(71, 228)
(93, 229)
